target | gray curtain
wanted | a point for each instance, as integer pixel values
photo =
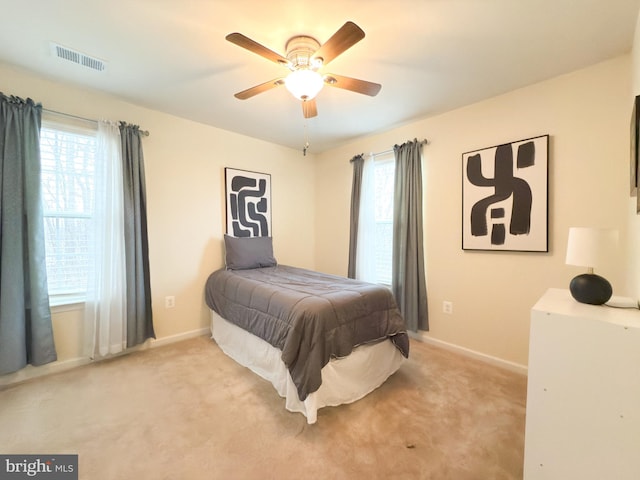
(26, 334)
(356, 189)
(136, 242)
(408, 277)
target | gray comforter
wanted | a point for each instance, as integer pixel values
(310, 316)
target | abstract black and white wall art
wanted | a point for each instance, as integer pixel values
(633, 136)
(505, 197)
(635, 151)
(248, 196)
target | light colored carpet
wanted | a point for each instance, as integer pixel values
(186, 411)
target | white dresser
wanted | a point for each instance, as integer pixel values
(583, 394)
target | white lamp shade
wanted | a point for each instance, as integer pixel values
(590, 247)
(304, 84)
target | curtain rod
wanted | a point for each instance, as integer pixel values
(143, 132)
(424, 141)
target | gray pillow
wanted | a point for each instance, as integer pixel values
(248, 252)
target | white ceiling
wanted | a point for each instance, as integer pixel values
(429, 55)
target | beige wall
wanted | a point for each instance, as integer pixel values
(586, 113)
(184, 164)
(633, 218)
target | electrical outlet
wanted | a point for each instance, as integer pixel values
(169, 302)
(447, 307)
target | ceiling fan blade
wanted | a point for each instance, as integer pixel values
(309, 108)
(347, 36)
(253, 46)
(352, 84)
(263, 87)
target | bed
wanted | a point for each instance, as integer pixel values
(321, 340)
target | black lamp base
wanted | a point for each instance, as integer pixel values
(590, 288)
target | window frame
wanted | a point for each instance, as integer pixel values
(71, 300)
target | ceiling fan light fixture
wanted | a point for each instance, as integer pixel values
(304, 84)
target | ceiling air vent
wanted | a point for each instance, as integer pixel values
(79, 58)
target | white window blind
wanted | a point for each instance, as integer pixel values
(67, 174)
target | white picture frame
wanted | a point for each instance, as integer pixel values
(248, 203)
(505, 196)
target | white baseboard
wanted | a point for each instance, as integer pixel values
(160, 342)
(499, 362)
(30, 372)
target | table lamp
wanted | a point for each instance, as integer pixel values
(590, 247)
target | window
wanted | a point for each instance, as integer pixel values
(68, 155)
(375, 224)
(384, 170)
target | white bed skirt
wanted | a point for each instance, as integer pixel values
(344, 380)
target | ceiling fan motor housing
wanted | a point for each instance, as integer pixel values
(299, 52)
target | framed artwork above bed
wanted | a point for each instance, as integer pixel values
(248, 203)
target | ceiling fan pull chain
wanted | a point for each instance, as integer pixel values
(306, 140)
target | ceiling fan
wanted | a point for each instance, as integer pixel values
(305, 58)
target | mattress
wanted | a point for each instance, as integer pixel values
(344, 380)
